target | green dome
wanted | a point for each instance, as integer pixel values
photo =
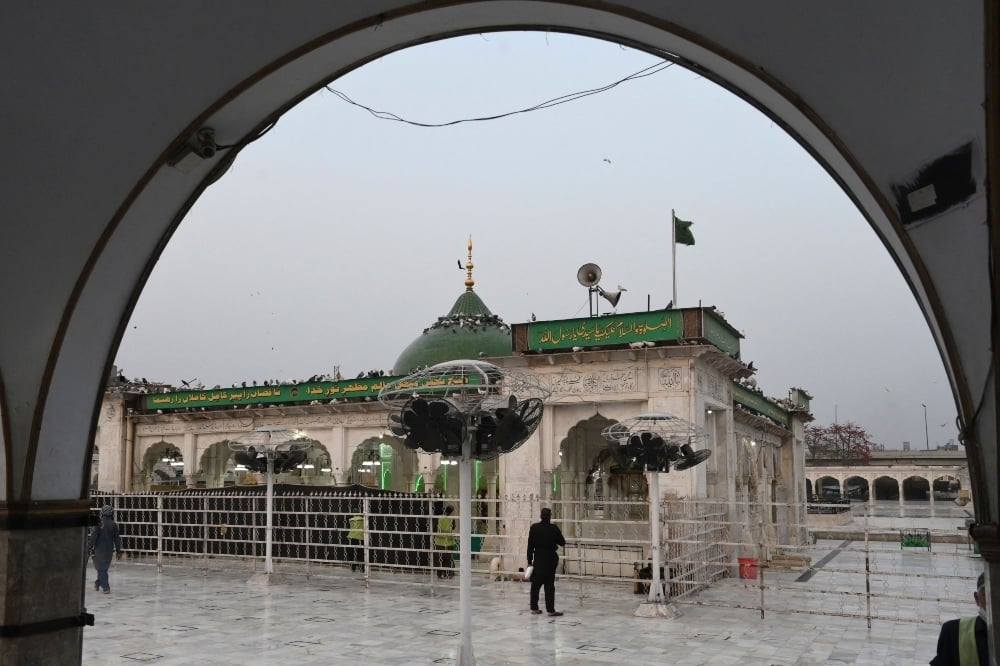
(469, 330)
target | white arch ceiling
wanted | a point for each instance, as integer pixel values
(97, 103)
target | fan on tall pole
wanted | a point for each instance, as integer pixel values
(472, 410)
(270, 449)
(655, 442)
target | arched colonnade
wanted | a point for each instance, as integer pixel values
(912, 483)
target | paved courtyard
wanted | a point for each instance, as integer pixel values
(183, 616)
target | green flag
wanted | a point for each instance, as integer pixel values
(682, 231)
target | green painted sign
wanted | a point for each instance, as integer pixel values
(269, 395)
(760, 404)
(719, 333)
(364, 387)
(607, 330)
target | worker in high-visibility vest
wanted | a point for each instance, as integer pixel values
(444, 544)
(965, 642)
(356, 535)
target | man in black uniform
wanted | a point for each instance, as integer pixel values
(544, 539)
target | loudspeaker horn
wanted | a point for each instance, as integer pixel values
(589, 275)
(611, 296)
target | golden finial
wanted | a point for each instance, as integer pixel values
(469, 282)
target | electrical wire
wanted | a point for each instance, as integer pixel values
(562, 99)
(267, 128)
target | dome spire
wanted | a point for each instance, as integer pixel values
(469, 282)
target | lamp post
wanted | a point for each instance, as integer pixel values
(927, 437)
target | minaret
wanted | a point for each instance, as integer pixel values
(469, 282)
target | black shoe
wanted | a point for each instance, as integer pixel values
(555, 613)
(536, 612)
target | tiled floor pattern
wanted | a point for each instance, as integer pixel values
(182, 616)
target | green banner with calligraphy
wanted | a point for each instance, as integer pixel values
(720, 334)
(364, 387)
(268, 395)
(758, 403)
(607, 330)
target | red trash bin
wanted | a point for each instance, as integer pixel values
(748, 567)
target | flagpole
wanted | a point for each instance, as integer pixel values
(673, 251)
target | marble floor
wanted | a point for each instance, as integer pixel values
(185, 616)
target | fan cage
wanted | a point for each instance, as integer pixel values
(471, 385)
(270, 438)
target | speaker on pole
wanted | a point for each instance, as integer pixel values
(589, 275)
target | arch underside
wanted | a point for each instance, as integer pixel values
(873, 116)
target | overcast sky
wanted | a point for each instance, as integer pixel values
(333, 240)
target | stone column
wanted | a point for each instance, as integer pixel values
(340, 458)
(189, 449)
(111, 440)
(127, 463)
(42, 554)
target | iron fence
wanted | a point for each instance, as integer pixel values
(714, 553)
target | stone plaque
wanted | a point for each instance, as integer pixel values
(609, 381)
(671, 379)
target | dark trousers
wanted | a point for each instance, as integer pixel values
(444, 561)
(546, 579)
(102, 567)
(358, 555)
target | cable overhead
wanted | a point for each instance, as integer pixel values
(563, 99)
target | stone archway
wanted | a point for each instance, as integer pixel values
(946, 487)
(916, 489)
(314, 470)
(579, 454)
(886, 488)
(856, 488)
(383, 462)
(215, 466)
(589, 470)
(827, 486)
(126, 208)
(162, 467)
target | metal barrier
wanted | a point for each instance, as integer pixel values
(862, 573)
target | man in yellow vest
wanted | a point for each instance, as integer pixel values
(964, 642)
(356, 535)
(444, 544)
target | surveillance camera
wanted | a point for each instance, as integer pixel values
(205, 143)
(200, 147)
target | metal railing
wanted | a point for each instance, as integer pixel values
(716, 553)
